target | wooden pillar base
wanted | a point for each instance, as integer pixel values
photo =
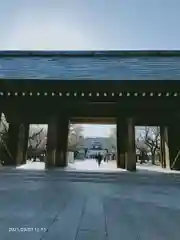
(26, 138)
(51, 142)
(165, 158)
(15, 147)
(61, 158)
(174, 146)
(12, 145)
(62, 142)
(121, 143)
(131, 162)
(50, 159)
(121, 162)
(131, 149)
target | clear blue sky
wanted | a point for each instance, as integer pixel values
(89, 24)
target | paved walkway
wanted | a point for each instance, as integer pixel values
(91, 165)
(47, 208)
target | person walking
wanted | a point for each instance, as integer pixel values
(106, 157)
(99, 159)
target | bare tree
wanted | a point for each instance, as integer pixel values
(37, 140)
(75, 136)
(3, 125)
(141, 146)
(149, 141)
(112, 138)
(3, 137)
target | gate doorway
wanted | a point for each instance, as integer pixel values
(92, 145)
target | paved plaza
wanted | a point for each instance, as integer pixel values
(91, 165)
(76, 205)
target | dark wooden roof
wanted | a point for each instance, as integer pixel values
(90, 65)
(107, 53)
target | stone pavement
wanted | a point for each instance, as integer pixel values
(91, 165)
(44, 207)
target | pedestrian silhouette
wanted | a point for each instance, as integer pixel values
(99, 159)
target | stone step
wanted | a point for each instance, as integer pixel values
(123, 177)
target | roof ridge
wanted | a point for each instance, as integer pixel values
(88, 53)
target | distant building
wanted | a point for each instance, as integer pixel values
(95, 143)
